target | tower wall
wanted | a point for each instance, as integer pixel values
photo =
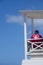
(33, 61)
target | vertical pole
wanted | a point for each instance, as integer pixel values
(25, 36)
(32, 25)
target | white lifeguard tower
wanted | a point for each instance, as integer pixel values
(36, 54)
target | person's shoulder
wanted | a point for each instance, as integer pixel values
(32, 35)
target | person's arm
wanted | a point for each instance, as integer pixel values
(40, 36)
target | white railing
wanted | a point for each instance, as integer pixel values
(35, 51)
(35, 46)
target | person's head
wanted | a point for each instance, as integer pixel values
(36, 32)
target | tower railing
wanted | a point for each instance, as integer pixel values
(35, 48)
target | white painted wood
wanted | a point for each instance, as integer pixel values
(35, 14)
(33, 61)
(25, 36)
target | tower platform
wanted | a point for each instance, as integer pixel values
(33, 61)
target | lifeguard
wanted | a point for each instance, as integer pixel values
(36, 37)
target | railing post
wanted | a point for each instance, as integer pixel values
(32, 26)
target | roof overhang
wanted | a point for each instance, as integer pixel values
(36, 14)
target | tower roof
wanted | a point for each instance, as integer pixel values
(36, 14)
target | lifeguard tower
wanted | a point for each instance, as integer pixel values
(35, 53)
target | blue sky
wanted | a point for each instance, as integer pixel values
(11, 29)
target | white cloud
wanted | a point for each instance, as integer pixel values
(14, 19)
